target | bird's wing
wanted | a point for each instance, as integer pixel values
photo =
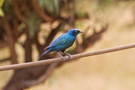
(47, 47)
(59, 41)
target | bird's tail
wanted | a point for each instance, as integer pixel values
(45, 53)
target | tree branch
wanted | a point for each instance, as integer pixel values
(94, 37)
(43, 77)
(11, 41)
(5, 59)
(54, 60)
(17, 11)
(4, 44)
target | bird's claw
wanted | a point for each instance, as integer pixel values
(70, 57)
(65, 54)
(63, 58)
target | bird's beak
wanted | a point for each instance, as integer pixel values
(80, 32)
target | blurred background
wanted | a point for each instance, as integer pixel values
(28, 26)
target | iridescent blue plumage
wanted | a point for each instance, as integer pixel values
(63, 42)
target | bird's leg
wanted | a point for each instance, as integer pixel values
(61, 56)
(70, 57)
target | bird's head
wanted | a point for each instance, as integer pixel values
(74, 32)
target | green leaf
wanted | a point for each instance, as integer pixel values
(1, 12)
(1, 3)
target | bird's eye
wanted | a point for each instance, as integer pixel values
(75, 31)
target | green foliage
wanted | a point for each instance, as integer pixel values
(81, 14)
(33, 22)
(7, 7)
(41, 3)
(1, 11)
(106, 2)
(1, 3)
(56, 6)
(79, 24)
(52, 6)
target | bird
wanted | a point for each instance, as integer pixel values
(62, 43)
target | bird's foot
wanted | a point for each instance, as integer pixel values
(61, 56)
(70, 57)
